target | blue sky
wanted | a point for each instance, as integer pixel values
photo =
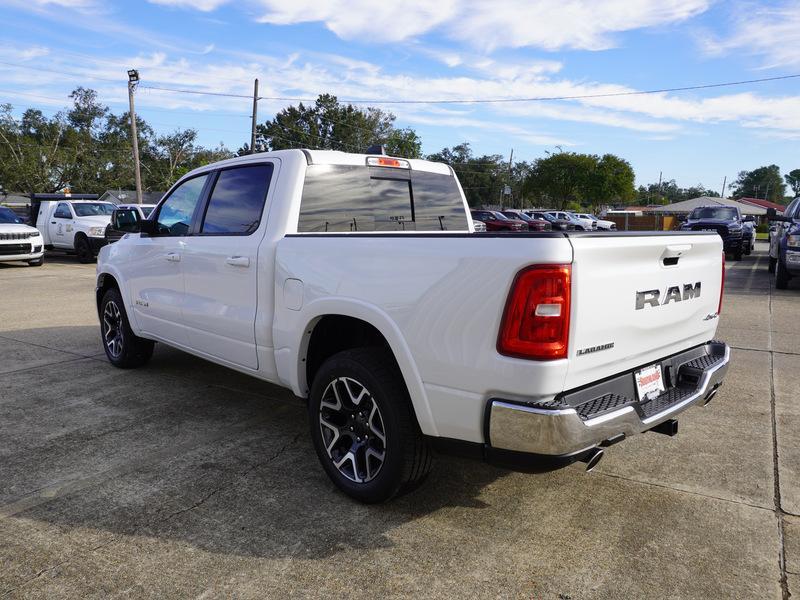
(447, 49)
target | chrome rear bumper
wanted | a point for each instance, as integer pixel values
(562, 429)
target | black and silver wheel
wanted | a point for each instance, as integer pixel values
(123, 348)
(352, 429)
(363, 426)
(83, 249)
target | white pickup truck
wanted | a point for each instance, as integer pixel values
(357, 282)
(72, 224)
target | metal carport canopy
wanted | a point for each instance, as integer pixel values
(687, 206)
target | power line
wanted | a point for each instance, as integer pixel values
(494, 100)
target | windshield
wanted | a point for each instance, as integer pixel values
(713, 212)
(89, 209)
(500, 216)
(7, 216)
(545, 216)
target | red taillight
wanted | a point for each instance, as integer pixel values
(722, 284)
(536, 319)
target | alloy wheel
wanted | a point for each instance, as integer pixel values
(112, 329)
(352, 429)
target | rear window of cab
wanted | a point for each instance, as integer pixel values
(354, 198)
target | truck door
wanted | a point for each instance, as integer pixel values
(155, 269)
(221, 266)
(60, 226)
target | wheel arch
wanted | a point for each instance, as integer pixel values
(374, 327)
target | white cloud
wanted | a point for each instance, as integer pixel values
(201, 5)
(548, 24)
(771, 33)
(363, 19)
(576, 24)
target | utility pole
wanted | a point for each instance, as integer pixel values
(510, 161)
(255, 117)
(766, 193)
(133, 81)
(724, 182)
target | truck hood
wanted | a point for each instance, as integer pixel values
(94, 220)
(16, 228)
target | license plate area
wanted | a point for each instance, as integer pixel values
(649, 382)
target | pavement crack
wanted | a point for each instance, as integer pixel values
(230, 481)
(682, 491)
(779, 513)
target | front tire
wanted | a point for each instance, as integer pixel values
(781, 276)
(737, 255)
(124, 349)
(363, 426)
(83, 249)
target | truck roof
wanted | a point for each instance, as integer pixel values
(325, 157)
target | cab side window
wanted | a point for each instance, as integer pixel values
(176, 212)
(62, 212)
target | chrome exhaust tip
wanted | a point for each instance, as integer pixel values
(591, 458)
(711, 395)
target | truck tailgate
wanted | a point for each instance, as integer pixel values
(631, 307)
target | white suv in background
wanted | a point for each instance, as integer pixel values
(19, 241)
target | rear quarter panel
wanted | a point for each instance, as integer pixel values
(438, 300)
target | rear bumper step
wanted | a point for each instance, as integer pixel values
(579, 420)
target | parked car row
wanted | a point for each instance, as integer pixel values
(540, 220)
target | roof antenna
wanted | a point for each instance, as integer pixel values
(376, 149)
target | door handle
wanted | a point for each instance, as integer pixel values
(238, 261)
(52, 222)
(173, 257)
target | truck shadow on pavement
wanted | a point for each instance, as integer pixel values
(183, 450)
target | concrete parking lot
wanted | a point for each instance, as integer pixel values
(184, 479)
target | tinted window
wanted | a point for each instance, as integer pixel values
(62, 212)
(175, 214)
(7, 216)
(437, 202)
(713, 212)
(89, 209)
(792, 209)
(237, 200)
(356, 198)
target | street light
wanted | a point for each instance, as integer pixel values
(133, 80)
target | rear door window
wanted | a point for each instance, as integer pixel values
(237, 200)
(344, 198)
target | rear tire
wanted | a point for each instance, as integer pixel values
(83, 249)
(124, 349)
(781, 276)
(771, 265)
(363, 426)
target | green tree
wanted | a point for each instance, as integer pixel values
(611, 181)
(668, 192)
(793, 181)
(330, 125)
(88, 149)
(560, 178)
(763, 182)
(481, 177)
